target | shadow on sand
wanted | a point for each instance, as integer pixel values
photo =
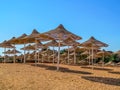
(61, 69)
(114, 72)
(97, 68)
(105, 80)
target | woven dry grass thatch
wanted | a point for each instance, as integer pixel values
(29, 47)
(18, 40)
(61, 33)
(35, 35)
(6, 44)
(93, 42)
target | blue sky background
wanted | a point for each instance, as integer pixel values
(86, 18)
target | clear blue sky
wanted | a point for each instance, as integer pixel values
(86, 18)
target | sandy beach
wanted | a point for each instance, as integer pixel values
(45, 77)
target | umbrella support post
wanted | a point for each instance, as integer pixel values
(92, 59)
(103, 60)
(53, 56)
(58, 56)
(68, 56)
(24, 55)
(4, 55)
(89, 57)
(74, 56)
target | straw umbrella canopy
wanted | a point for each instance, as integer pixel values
(25, 41)
(5, 45)
(118, 52)
(35, 36)
(39, 45)
(19, 41)
(54, 43)
(7, 52)
(10, 41)
(71, 42)
(91, 43)
(94, 57)
(103, 53)
(85, 53)
(60, 33)
(14, 51)
(29, 47)
(94, 42)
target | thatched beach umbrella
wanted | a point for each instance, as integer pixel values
(92, 42)
(54, 43)
(60, 33)
(103, 53)
(5, 45)
(18, 41)
(34, 37)
(12, 52)
(28, 48)
(39, 45)
(7, 52)
(71, 42)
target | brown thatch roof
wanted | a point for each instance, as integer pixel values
(29, 47)
(38, 45)
(15, 51)
(12, 51)
(35, 35)
(6, 44)
(54, 43)
(7, 52)
(9, 41)
(61, 33)
(118, 52)
(18, 40)
(70, 41)
(85, 53)
(93, 42)
(103, 52)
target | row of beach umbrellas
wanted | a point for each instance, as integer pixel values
(58, 37)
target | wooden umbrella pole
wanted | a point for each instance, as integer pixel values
(42, 58)
(58, 55)
(24, 54)
(89, 57)
(92, 56)
(103, 59)
(53, 55)
(68, 55)
(35, 50)
(74, 56)
(4, 54)
(38, 56)
(14, 53)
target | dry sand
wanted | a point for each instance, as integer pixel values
(45, 77)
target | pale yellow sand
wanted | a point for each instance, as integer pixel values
(45, 77)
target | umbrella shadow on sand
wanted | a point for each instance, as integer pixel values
(97, 68)
(61, 69)
(105, 80)
(114, 72)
